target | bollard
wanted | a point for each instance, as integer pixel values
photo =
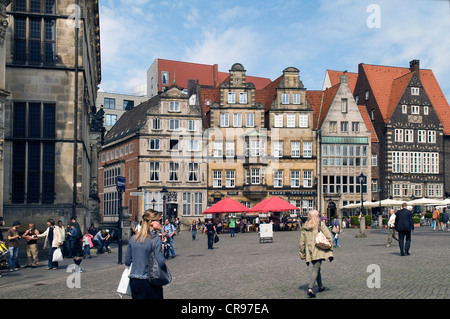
(362, 227)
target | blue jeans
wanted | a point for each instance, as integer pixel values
(172, 250)
(232, 232)
(194, 234)
(13, 253)
(335, 239)
(51, 264)
(99, 246)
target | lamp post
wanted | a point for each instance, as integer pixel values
(361, 179)
(362, 219)
(164, 191)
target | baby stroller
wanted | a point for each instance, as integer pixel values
(166, 244)
(4, 255)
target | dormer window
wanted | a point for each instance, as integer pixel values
(174, 106)
(415, 91)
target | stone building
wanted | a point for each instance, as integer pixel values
(260, 142)
(52, 131)
(411, 116)
(3, 93)
(156, 145)
(344, 143)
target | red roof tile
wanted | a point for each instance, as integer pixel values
(335, 78)
(368, 122)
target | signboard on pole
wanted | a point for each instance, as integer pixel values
(120, 183)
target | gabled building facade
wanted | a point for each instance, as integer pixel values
(158, 144)
(411, 116)
(344, 143)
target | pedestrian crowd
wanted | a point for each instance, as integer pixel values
(61, 241)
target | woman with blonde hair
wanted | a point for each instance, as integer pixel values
(138, 253)
(310, 252)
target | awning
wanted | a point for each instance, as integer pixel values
(273, 204)
(227, 205)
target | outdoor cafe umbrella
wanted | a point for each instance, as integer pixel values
(424, 201)
(273, 204)
(227, 205)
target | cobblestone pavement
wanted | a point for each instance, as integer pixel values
(242, 268)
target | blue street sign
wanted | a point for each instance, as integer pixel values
(120, 183)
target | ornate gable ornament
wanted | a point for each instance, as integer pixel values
(3, 21)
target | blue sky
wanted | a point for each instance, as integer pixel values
(266, 36)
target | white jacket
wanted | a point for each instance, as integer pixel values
(56, 237)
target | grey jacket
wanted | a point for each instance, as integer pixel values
(138, 254)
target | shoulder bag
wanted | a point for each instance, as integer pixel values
(156, 275)
(321, 240)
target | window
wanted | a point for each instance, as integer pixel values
(277, 178)
(431, 136)
(415, 109)
(421, 136)
(198, 203)
(255, 176)
(278, 120)
(307, 179)
(33, 158)
(231, 97)
(186, 203)
(173, 145)
(224, 120)
(249, 120)
(154, 171)
(416, 162)
(367, 95)
(277, 148)
(409, 136)
(344, 127)
(193, 172)
(295, 178)
(217, 178)
(303, 120)
(285, 98)
(243, 97)
(425, 110)
(290, 120)
(398, 135)
(128, 105)
(154, 144)
(415, 91)
(174, 168)
(404, 109)
(344, 105)
(193, 145)
(374, 160)
(156, 124)
(110, 119)
(296, 98)
(110, 103)
(237, 120)
(254, 148)
(355, 127)
(174, 106)
(174, 125)
(217, 149)
(192, 125)
(333, 127)
(164, 77)
(307, 149)
(229, 178)
(229, 148)
(295, 149)
(130, 175)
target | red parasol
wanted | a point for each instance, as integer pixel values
(273, 204)
(227, 205)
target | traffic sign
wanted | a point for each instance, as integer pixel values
(120, 183)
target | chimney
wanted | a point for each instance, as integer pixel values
(414, 65)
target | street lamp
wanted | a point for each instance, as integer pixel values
(164, 192)
(361, 180)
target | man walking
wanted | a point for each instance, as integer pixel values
(13, 245)
(171, 228)
(391, 227)
(404, 225)
(32, 252)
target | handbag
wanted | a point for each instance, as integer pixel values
(57, 255)
(335, 229)
(124, 284)
(216, 238)
(156, 275)
(321, 240)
